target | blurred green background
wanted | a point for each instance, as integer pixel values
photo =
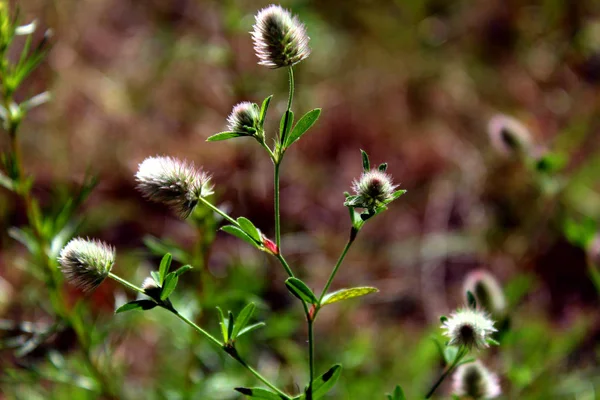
(413, 83)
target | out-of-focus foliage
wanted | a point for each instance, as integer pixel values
(411, 82)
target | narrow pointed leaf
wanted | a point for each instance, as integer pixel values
(165, 264)
(286, 125)
(6, 181)
(243, 319)
(397, 194)
(398, 394)
(170, 285)
(382, 167)
(223, 136)
(223, 324)
(250, 328)
(365, 161)
(325, 382)
(301, 291)
(237, 232)
(155, 275)
(303, 125)
(471, 301)
(230, 325)
(344, 294)
(178, 272)
(258, 393)
(136, 305)
(249, 228)
(264, 108)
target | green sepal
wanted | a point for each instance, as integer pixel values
(300, 290)
(230, 325)
(383, 168)
(397, 194)
(397, 394)
(136, 305)
(344, 294)
(471, 301)
(224, 136)
(165, 264)
(302, 126)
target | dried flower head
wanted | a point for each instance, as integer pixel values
(86, 263)
(244, 119)
(475, 381)
(173, 182)
(280, 39)
(469, 328)
(487, 292)
(373, 189)
(508, 135)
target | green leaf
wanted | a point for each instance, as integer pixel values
(365, 161)
(303, 125)
(223, 324)
(301, 291)
(450, 353)
(344, 294)
(136, 305)
(250, 328)
(286, 125)
(170, 285)
(6, 181)
(243, 319)
(230, 325)
(258, 393)
(471, 301)
(325, 382)
(398, 394)
(165, 264)
(223, 136)
(248, 227)
(263, 109)
(178, 272)
(156, 277)
(237, 232)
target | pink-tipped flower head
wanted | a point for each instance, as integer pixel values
(509, 136)
(175, 183)
(280, 39)
(487, 292)
(469, 328)
(244, 119)
(475, 381)
(86, 263)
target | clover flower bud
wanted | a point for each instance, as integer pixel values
(86, 263)
(151, 287)
(280, 39)
(475, 381)
(509, 136)
(468, 328)
(373, 189)
(487, 292)
(244, 119)
(176, 183)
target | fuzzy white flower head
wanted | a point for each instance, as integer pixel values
(475, 381)
(175, 183)
(280, 39)
(86, 263)
(373, 188)
(487, 292)
(468, 328)
(508, 135)
(244, 119)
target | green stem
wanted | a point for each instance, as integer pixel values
(277, 214)
(311, 357)
(218, 211)
(291, 94)
(285, 265)
(337, 266)
(459, 356)
(126, 283)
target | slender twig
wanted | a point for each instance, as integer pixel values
(311, 357)
(218, 211)
(459, 356)
(337, 266)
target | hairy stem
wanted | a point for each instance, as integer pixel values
(337, 266)
(218, 211)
